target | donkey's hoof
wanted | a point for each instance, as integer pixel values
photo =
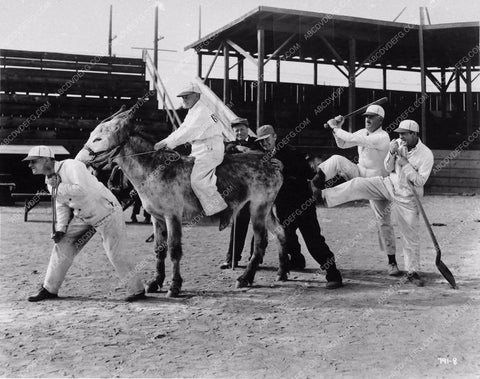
(242, 283)
(173, 292)
(153, 287)
(282, 277)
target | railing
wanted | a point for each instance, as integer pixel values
(162, 93)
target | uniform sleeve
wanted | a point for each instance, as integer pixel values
(419, 177)
(188, 132)
(373, 141)
(78, 177)
(63, 217)
(389, 162)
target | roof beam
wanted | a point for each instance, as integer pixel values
(280, 48)
(333, 51)
(213, 62)
(242, 51)
(434, 80)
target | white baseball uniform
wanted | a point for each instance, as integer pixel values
(395, 189)
(82, 201)
(202, 129)
(372, 150)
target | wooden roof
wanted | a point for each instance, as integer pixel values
(444, 44)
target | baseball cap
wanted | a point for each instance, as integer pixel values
(264, 131)
(407, 126)
(239, 121)
(188, 89)
(375, 110)
(39, 152)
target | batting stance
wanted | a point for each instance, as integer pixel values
(373, 144)
(408, 159)
(202, 129)
(81, 202)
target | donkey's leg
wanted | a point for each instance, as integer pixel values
(258, 217)
(174, 228)
(274, 227)
(160, 233)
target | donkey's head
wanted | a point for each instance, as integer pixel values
(106, 139)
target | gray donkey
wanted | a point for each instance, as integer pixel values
(162, 180)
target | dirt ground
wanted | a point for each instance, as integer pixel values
(375, 327)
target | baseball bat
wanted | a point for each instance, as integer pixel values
(362, 109)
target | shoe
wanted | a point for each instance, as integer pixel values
(393, 270)
(138, 296)
(225, 216)
(43, 295)
(333, 285)
(319, 180)
(297, 262)
(227, 264)
(414, 278)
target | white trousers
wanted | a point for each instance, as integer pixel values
(204, 180)
(405, 209)
(339, 165)
(113, 231)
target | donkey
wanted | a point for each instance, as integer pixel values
(162, 180)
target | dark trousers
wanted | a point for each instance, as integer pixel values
(241, 228)
(307, 223)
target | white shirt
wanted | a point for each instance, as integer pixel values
(199, 127)
(417, 170)
(372, 149)
(80, 192)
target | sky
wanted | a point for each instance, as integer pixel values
(81, 27)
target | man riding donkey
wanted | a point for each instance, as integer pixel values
(203, 131)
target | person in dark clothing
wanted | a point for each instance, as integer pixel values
(238, 233)
(295, 204)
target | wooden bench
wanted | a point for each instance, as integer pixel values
(31, 200)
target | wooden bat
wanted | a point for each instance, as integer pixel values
(362, 109)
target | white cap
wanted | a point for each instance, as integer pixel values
(373, 110)
(407, 126)
(39, 152)
(188, 89)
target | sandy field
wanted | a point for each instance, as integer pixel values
(376, 326)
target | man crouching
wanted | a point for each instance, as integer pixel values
(82, 202)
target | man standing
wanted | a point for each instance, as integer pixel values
(81, 202)
(373, 144)
(295, 204)
(407, 160)
(242, 144)
(202, 129)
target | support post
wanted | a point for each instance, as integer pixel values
(469, 98)
(240, 69)
(226, 72)
(260, 86)
(443, 92)
(110, 38)
(351, 82)
(422, 77)
(315, 73)
(155, 40)
(199, 65)
(384, 72)
(278, 70)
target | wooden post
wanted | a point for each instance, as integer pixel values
(240, 69)
(469, 98)
(351, 82)
(199, 65)
(110, 38)
(260, 86)
(384, 72)
(155, 40)
(422, 77)
(226, 71)
(315, 73)
(443, 92)
(278, 70)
